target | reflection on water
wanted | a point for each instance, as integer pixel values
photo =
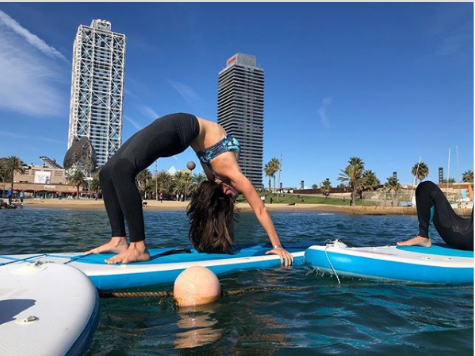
(357, 318)
(198, 327)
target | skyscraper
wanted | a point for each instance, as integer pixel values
(97, 88)
(241, 111)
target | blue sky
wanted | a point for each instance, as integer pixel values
(387, 82)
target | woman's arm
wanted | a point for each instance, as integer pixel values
(242, 184)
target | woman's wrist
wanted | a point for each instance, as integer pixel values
(277, 246)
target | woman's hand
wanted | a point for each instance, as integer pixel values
(286, 258)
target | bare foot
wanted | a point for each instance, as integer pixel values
(116, 245)
(136, 252)
(416, 241)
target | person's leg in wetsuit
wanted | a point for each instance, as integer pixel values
(433, 206)
(165, 137)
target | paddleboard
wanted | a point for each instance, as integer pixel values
(164, 266)
(411, 264)
(46, 309)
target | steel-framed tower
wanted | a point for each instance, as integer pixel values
(97, 88)
(241, 111)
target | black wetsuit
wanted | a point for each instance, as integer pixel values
(165, 137)
(433, 206)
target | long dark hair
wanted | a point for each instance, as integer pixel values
(211, 214)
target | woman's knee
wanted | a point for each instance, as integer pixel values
(104, 174)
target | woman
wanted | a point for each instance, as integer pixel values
(211, 209)
(433, 206)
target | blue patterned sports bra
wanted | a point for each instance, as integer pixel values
(227, 144)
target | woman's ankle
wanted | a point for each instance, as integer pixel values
(139, 246)
(118, 240)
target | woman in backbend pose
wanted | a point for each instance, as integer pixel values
(432, 206)
(212, 206)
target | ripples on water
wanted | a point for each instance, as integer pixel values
(357, 318)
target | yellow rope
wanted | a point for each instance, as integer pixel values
(135, 294)
(164, 294)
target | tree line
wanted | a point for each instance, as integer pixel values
(354, 177)
(358, 179)
(181, 184)
(150, 186)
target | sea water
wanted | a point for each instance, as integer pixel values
(358, 317)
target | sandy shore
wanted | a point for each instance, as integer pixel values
(175, 205)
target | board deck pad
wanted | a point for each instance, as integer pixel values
(437, 250)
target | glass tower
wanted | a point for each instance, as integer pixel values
(241, 111)
(97, 88)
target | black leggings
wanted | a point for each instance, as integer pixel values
(165, 137)
(433, 206)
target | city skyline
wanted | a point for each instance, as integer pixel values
(389, 83)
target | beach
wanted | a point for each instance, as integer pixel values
(88, 204)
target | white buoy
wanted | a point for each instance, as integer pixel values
(196, 286)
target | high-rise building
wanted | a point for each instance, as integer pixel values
(97, 88)
(241, 111)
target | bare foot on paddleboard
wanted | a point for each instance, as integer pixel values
(115, 245)
(136, 252)
(416, 241)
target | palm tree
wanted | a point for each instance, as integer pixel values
(275, 164)
(467, 177)
(188, 184)
(3, 170)
(3, 167)
(353, 176)
(326, 186)
(392, 186)
(420, 171)
(13, 165)
(196, 181)
(372, 181)
(198, 178)
(78, 179)
(268, 171)
(182, 184)
(143, 180)
(178, 184)
(96, 185)
(356, 161)
(165, 183)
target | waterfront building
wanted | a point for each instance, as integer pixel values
(41, 175)
(241, 111)
(97, 88)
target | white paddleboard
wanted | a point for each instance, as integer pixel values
(412, 264)
(46, 309)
